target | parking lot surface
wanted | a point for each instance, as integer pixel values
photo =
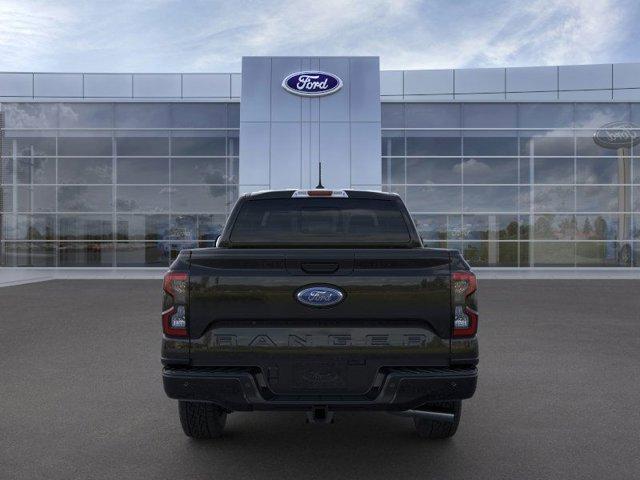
(81, 395)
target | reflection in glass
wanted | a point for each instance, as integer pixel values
(233, 170)
(489, 144)
(58, 185)
(598, 114)
(37, 254)
(233, 143)
(38, 198)
(199, 115)
(545, 115)
(392, 143)
(491, 254)
(142, 115)
(553, 170)
(603, 254)
(36, 170)
(142, 227)
(233, 115)
(85, 170)
(434, 199)
(525, 227)
(554, 199)
(203, 228)
(438, 227)
(142, 170)
(142, 198)
(6, 199)
(83, 115)
(546, 144)
(603, 199)
(433, 143)
(139, 254)
(392, 115)
(603, 170)
(433, 115)
(199, 170)
(554, 227)
(490, 199)
(553, 254)
(490, 227)
(525, 254)
(393, 171)
(32, 146)
(143, 146)
(200, 199)
(85, 199)
(85, 227)
(85, 254)
(434, 170)
(525, 170)
(490, 115)
(30, 115)
(490, 170)
(35, 227)
(602, 226)
(585, 145)
(93, 146)
(6, 170)
(211, 144)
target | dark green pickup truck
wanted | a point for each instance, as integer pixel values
(320, 300)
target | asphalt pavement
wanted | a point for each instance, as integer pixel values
(558, 396)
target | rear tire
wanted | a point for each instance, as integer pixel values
(434, 429)
(201, 420)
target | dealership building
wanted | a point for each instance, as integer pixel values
(528, 167)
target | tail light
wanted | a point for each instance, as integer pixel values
(174, 305)
(465, 319)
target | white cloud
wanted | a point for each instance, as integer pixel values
(166, 35)
(29, 30)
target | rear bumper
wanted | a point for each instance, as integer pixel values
(398, 389)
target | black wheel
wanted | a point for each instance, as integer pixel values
(201, 420)
(435, 429)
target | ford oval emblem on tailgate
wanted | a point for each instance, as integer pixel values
(319, 296)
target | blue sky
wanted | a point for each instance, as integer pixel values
(212, 36)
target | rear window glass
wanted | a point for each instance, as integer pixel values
(320, 221)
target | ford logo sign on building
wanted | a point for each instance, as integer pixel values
(319, 296)
(617, 135)
(312, 84)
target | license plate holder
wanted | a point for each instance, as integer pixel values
(319, 375)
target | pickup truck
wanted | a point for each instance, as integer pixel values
(320, 301)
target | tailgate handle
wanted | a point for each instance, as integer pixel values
(319, 267)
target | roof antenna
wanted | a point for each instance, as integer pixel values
(319, 175)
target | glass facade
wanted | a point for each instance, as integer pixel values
(114, 184)
(517, 184)
(127, 184)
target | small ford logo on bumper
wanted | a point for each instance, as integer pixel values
(320, 296)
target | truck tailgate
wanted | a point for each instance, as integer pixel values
(243, 308)
(259, 285)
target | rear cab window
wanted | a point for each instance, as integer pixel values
(320, 222)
